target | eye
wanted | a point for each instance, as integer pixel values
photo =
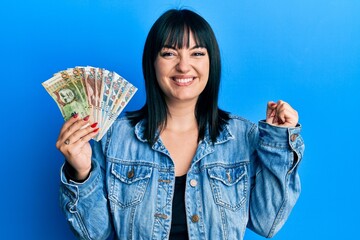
(199, 53)
(167, 54)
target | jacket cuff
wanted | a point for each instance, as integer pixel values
(80, 189)
(288, 138)
(280, 137)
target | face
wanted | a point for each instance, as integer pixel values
(182, 73)
(66, 95)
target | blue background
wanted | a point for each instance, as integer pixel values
(305, 52)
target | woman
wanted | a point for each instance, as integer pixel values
(180, 167)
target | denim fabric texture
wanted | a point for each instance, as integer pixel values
(248, 178)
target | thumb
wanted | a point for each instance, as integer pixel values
(270, 111)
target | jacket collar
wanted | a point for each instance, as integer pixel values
(224, 136)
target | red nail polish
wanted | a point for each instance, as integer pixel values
(75, 115)
(96, 130)
(93, 125)
(86, 118)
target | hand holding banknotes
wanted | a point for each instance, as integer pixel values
(73, 143)
(90, 99)
(88, 91)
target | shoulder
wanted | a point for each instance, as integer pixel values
(121, 127)
(238, 124)
(122, 123)
(126, 123)
(123, 119)
(238, 120)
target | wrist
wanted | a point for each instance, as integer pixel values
(81, 176)
(77, 176)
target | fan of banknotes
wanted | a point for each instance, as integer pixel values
(96, 92)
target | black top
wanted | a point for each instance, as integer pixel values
(178, 225)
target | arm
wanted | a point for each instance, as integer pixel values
(278, 148)
(84, 203)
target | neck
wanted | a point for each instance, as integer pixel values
(181, 117)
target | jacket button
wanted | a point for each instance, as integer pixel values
(193, 182)
(293, 137)
(195, 218)
(130, 174)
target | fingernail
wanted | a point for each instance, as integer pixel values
(94, 125)
(86, 118)
(74, 115)
(96, 130)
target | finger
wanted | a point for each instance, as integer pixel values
(275, 119)
(87, 137)
(69, 128)
(270, 116)
(77, 144)
(281, 115)
(271, 106)
(282, 107)
(274, 111)
(292, 118)
(287, 115)
(79, 134)
(82, 132)
(77, 141)
(81, 123)
(69, 122)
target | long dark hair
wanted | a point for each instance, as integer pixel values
(170, 29)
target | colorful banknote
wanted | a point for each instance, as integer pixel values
(97, 92)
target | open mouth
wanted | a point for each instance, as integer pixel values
(183, 81)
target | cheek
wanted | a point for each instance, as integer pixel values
(159, 69)
(158, 73)
(206, 68)
(206, 71)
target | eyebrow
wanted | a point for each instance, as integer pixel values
(172, 47)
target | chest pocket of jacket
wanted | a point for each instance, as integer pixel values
(229, 186)
(128, 184)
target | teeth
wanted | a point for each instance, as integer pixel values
(183, 80)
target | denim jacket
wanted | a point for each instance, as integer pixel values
(247, 178)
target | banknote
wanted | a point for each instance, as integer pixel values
(91, 90)
(67, 95)
(107, 84)
(89, 83)
(115, 92)
(120, 104)
(97, 92)
(119, 89)
(72, 75)
(99, 73)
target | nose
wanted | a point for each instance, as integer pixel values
(183, 65)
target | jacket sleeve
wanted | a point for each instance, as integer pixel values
(275, 183)
(85, 205)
